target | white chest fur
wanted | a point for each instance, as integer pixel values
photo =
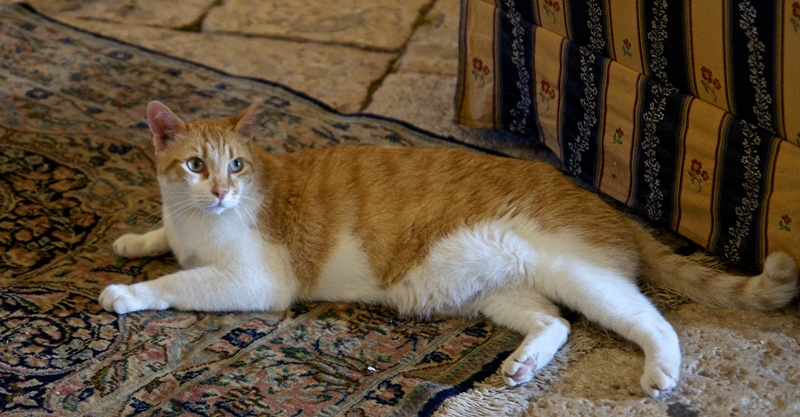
(200, 239)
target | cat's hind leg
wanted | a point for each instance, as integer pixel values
(152, 243)
(538, 319)
(611, 300)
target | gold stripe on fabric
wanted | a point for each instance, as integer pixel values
(789, 79)
(548, 63)
(726, 46)
(724, 132)
(553, 16)
(637, 137)
(783, 206)
(477, 106)
(624, 34)
(704, 124)
(620, 127)
(769, 174)
(707, 53)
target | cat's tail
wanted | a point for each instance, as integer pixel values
(775, 287)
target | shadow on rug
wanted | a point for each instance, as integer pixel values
(77, 171)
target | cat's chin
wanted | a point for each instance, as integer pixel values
(216, 209)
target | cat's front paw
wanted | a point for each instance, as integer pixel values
(129, 246)
(124, 299)
(141, 246)
(659, 379)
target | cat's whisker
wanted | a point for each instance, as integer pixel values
(187, 209)
(149, 215)
(240, 216)
(183, 206)
(167, 214)
(249, 213)
(259, 203)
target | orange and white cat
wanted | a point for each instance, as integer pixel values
(426, 231)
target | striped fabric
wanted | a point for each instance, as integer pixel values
(686, 111)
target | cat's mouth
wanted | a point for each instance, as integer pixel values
(218, 206)
(216, 209)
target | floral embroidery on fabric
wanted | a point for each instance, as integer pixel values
(618, 134)
(709, 82)
(626, 47)
(519, 113)
(783, 223)
(547, 93)
(589, 100)
(795, 18)
(756, 64)
(480, 71)
(655, 112)
(752, 176)
(657, 36)
(551, 7)
(698, 174)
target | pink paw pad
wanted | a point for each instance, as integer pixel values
(524, 371)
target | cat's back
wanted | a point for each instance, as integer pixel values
(397, 202)
(393, 182)
(412, 172)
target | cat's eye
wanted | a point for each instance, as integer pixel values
(195, 164)
(236, 165)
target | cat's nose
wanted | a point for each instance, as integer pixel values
(220, 193)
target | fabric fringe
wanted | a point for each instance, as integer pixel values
(493, 398)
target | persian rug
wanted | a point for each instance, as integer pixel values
(77, 171)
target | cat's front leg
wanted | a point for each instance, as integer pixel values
(207, 288)
(153, 243)
(127, 298)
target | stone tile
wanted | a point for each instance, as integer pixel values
(338, 76)
(178, 14)
(433, 47)
(426, 101)
(382, 25)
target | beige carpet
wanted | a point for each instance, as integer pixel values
(735, 362)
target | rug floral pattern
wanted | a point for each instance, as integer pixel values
(77, 171)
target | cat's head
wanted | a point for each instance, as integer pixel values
(205, 164)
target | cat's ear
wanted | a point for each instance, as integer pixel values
(164, 124)
(244, 121)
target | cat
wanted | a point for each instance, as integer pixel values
(425, 231)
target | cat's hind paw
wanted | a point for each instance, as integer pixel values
(124, 299)
(659, 379)
(518, 370)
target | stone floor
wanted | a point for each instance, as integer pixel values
(393, 58)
